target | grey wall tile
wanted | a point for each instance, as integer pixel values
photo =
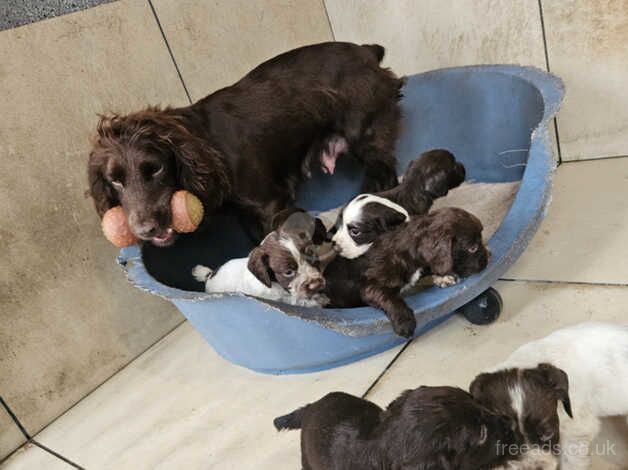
(587, 44)
(19, 12)
(216, 43)
(69, 318)
(428, 34)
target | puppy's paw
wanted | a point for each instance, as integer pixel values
(405, 326)
(202, 273)
(445, 281)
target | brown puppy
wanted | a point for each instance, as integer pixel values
(446, 243)
(248, 144)
(427, 428)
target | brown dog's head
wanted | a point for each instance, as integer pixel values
(529, 397)
(139, 160)
(278, 259)
(445, 428)
(435, 172)
(453, 243)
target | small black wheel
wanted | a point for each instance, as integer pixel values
(484, 309)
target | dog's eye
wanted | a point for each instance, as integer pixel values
(473, 249)
(158, 171)
(118, 185)
(354, 231)
(289, 273)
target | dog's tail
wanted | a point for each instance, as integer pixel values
(377, 51)
(202, 273)
(290, 421)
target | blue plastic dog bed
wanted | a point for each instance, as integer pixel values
(478, 113)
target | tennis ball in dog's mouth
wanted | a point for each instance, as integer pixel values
(187, 211)
(115, 226)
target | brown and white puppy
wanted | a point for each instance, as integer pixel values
(367, 216)
(278, 269)
(446, 243)
(246, 144)
(529, 397)
(430, 428)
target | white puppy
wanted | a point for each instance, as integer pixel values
(532, 380)
(275, 270)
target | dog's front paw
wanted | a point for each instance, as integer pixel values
(202, 273)
(405, 326)
(445, 281)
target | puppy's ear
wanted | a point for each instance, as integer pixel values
(258, 265)
(320, 232)
(476, 389)
(386, 217)
(558, 380)
(280, 217)
(439, 254)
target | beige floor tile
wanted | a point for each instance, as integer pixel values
(207, 37)
(10, 437)
(583, 238)
(430, 34)
(69, 318)
(180, 405)
(586, 43)
(455, 352)
(31, 457)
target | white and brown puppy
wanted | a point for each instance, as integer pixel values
(278, 269)
(583, 366)
(367, 216)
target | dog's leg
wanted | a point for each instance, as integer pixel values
(401, 316)
(376, 149)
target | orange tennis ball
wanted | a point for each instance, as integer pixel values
(187, 211)
(115, 226)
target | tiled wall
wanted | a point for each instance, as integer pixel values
(586, 43)
(69, 319)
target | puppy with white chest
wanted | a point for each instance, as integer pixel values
(427, 428)
(278, 269)
(367, 216)
(583, 366)
(446, 243)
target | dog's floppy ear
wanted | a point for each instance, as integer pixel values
(476, 389)
(320, 232)
(100, 189)
(258, 265)
(386, 217)
(558, 380)
(438, 251)
(280, 217)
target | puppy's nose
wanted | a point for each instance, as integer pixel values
(315, 285)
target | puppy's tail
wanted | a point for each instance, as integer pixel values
(290, 421)
(202, 273)
(377, 51)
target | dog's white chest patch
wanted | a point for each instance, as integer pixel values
(413, 280)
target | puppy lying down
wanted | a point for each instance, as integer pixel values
(583, 366)
(427, 428)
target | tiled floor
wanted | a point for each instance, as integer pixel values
(180, 405)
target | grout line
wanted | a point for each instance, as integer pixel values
(14, 418)
(388, 366)
(547, 67)
(56, 454)
(577, 283)
(124, 366)
(594, 159)
(163, 35)
(331, 28)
